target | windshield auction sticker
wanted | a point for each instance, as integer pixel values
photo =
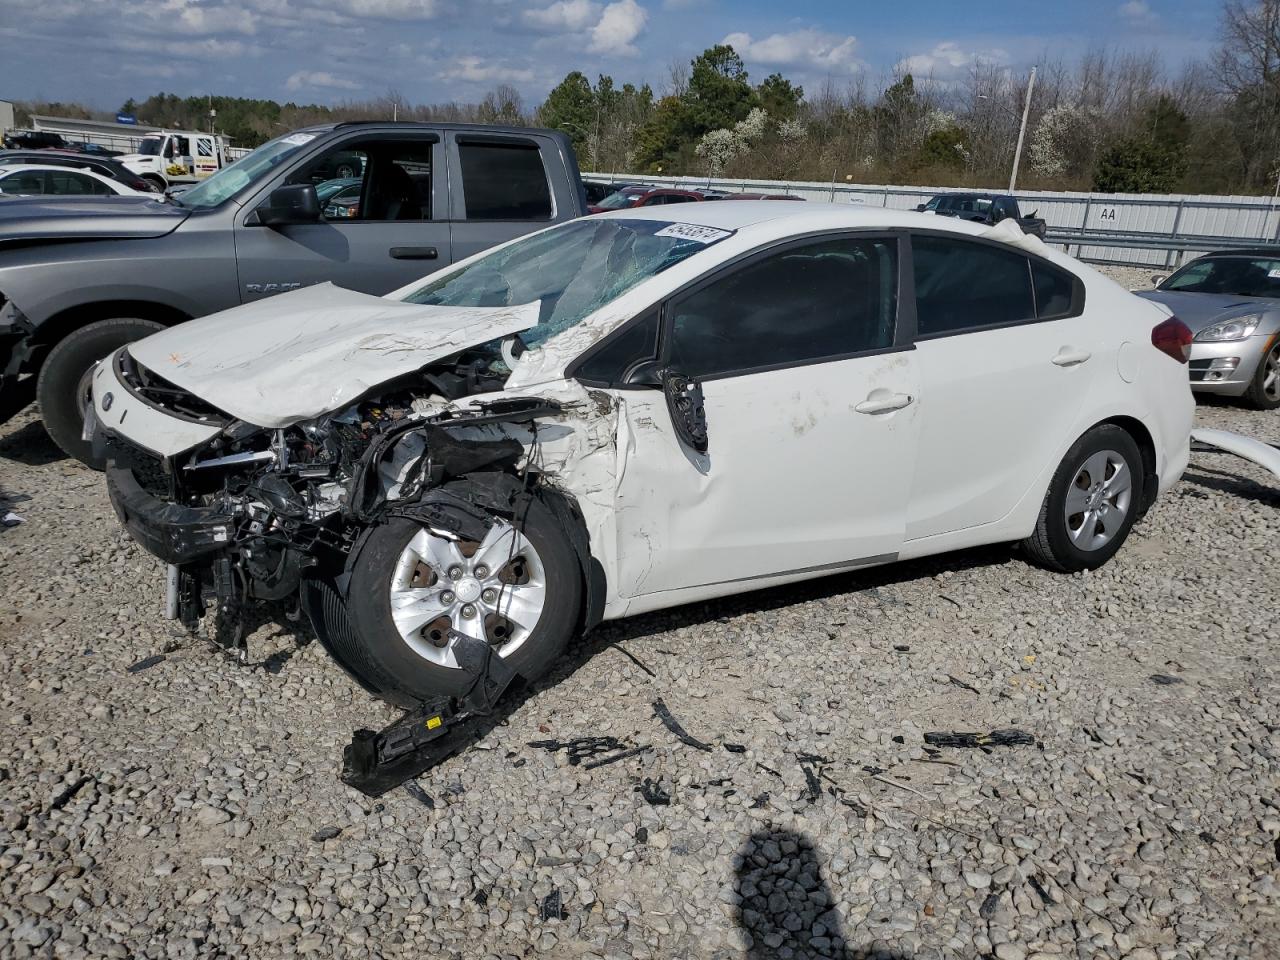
(298, 139)
(694, 232)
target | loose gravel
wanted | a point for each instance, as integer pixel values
(159, 800)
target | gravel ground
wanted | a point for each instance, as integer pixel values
(191, 808)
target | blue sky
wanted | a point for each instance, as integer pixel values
(102, 51)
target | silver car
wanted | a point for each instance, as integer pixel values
(1231, 301)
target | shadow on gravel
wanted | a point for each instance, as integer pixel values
(31, 445)
(1226, 482)
(786, 907)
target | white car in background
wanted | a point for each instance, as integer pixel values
(39, 179)
(636, 410)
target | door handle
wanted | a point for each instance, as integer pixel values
(414, 253)
(1071, 358)
(894, 401)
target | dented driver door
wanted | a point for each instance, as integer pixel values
(811, 420)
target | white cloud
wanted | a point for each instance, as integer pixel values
(307, 80)
(1137, 11)
(390, 9)
(801, 48)
(479, 70)
(949, 61)
(619, 25)
(564, 15)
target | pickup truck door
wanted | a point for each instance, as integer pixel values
(503, 186)
(395, 231)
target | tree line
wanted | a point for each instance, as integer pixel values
(1109, 122)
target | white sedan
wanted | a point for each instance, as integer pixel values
(633, 411)
(41, 179)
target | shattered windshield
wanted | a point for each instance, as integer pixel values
(572, 270)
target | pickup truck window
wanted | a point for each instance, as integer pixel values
(372, 180)
(504, 181)
(230, 180)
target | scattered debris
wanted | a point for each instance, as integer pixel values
(552, 908)
(956, 681)
(735, 747)
(1045, 896)
(662, 713)
(759, 801)
(585, 748)
(325, 833)
(634, 751)
(633, 658)
(1164, 680)
(839, 794)
(653, 793)
(481, 897)
(146, 663)
(642, 834)
(11, 519)
(902, 647)
(813, 787)
(996, 738)
(1208, 837)
(415, 791)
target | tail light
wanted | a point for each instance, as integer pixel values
(1173, 337)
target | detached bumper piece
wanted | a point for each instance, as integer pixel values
(174, 533)
(16, 349)
(375, 762)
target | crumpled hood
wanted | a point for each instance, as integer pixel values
(1200, 310)
(298, 355)
(87, 218)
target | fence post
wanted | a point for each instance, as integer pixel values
(1173, 235)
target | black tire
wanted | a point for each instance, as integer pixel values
(158, 182)
(1051, 545)
(1256, 396)
(384, 663)
(61, 389)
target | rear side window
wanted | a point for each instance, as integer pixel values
(1053, 289)
(961, 285)
(504, 181)
(819, 301)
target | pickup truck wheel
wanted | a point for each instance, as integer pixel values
(520, 590)
(63, 388)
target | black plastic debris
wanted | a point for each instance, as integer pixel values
(590, 748)
(642, 834)
(1045, 896)
(653, 793)
(760, 801)
(146, 663)
(902, 647)
(634, 659)
(957, 682)
(1164, 680)
(813, 786)
(481, 897)
(415, 791)
(661, 711)
(1208, 837)
(325, 833)
(552, 908)
(634, 751)
(996, 738)
(735, 747)
(990, 904)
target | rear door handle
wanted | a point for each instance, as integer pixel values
(894, 401)
(1071, 358)
(414, 253)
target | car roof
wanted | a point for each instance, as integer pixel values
(17, 165)
(1272, 251)
(795, 217)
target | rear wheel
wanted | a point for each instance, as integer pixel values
(158, 182)
(519, 590)
(63, 387)
(1264, 389)
(1092, 502)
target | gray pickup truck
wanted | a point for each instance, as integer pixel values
(369, 206)
(988, 208)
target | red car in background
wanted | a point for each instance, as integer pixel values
(642, 196)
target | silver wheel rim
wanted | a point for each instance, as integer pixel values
(1271, 374)
(1098, 500)
(493, 591)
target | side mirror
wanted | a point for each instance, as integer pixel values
(294, 203)
(1158, 279)
(686, 408)
(920, 208)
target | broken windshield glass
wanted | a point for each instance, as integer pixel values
(571, 271)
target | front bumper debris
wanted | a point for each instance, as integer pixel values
(16, 351)
(174, 533)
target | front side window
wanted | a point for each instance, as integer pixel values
(1233, 276)
(26, 183)
(822, 300)
(570, 271)
(962, 285)
(504, 181)
(372, 180)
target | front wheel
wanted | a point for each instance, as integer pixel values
(63, 387)
(1264, 389)
(519, 590)
(1092, 502)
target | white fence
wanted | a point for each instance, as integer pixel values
(1172, 223)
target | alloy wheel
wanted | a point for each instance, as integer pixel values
(1098, 500)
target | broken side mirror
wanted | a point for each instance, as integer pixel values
(685, 405)
(1158, 279)
(292, 203)
(919, 208)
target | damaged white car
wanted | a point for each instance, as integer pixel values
(635, 411)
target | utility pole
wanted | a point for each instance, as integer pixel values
(1022, 131)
